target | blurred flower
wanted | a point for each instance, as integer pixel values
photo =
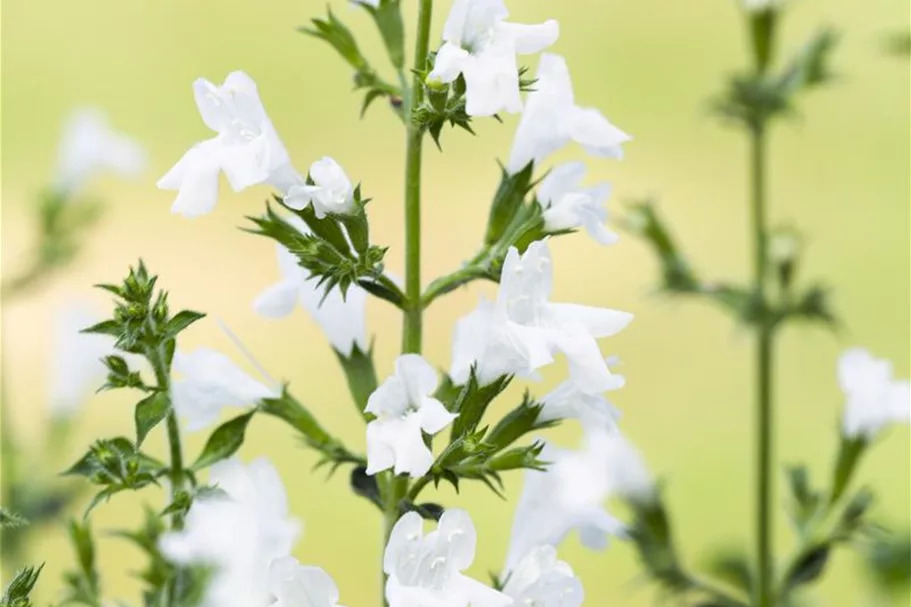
(296, 585)
(756, 6)
(540, 580)
(331, 192)
(519, 333)
(566, 401)
(239, 533)
(567, 206)
(426, 570)
(342, 319)
(89, 146)
(210, 382)
(552, 119)
(77, 369)
(873, 398)
(405, 408)
(482, 47)
(569, 495)
(246, 146)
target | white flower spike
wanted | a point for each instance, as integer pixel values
(873, 398)
(542, 580)
(208, 383)
(426, 570)
(482, 46)
(331, 192)
(567, 206)
(405, 408)
(89, 146)
(552, 119)
(343, 320)
(519, 333)
(76, 367)
(571, 493)
(246, 148)
(296, 585)
(240, 533)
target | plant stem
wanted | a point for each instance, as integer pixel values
(764, 353)
(396, 488)
(163, 379)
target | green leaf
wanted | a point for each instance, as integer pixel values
(473, 402)
(11, 520)
(365, 485)
(849, 454)
(388, 19)
(20, 587)
(360, 373)
(339, 37)
(149, 412)
(808, 568)
(181, 321)
(224, 441)
(107, 327)
(734, 568)
(506, 202)
(517, 423)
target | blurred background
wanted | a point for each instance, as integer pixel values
(839, 171)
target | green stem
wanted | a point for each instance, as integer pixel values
(396, 487)
(764, 360)
(163, 378)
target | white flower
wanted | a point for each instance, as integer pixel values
(332, 192)
(757, 6)
(541, 580)
(343, 320)
(425, 570)
(482, 47)
(552, 119)
(567, 206)
(570, 494)
(210, 382)
(240, 534)
(246, 147)
(296, 585)
(519, 333)
(874, 399)
(88, 146)
(567, 401)
(404, 408)
(76, 370)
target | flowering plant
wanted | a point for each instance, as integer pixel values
(225, 536)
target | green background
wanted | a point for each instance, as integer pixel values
(839, 170)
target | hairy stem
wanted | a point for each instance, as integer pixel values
(397, 488)
(764, 356)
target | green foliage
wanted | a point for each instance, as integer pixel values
(83, 584)
(116, 465)
(360, 373)
(150, 412)
(325, 252)
(332, 31)
(20, 587)
(888, 560)
(224, 441)
(388, 18)
(11, 520)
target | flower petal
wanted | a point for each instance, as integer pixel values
(278, 301)
(449, 63)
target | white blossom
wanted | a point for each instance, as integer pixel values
(405, 408)
(342, 319)
(296, 585)
(76, 366)
(567, 206)
(567, 401)
(552, 119)
(520, 331)
(239, 533)
(89, 146)
(246, 148)
(330, 193)
(208, 383)
(482, 46)
(426, 570)
(873, 397)
(541, 580)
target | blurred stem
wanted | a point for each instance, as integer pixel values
(397, 488)
(764, 363)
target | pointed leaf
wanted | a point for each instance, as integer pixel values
(224, 441)
(149, 412)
